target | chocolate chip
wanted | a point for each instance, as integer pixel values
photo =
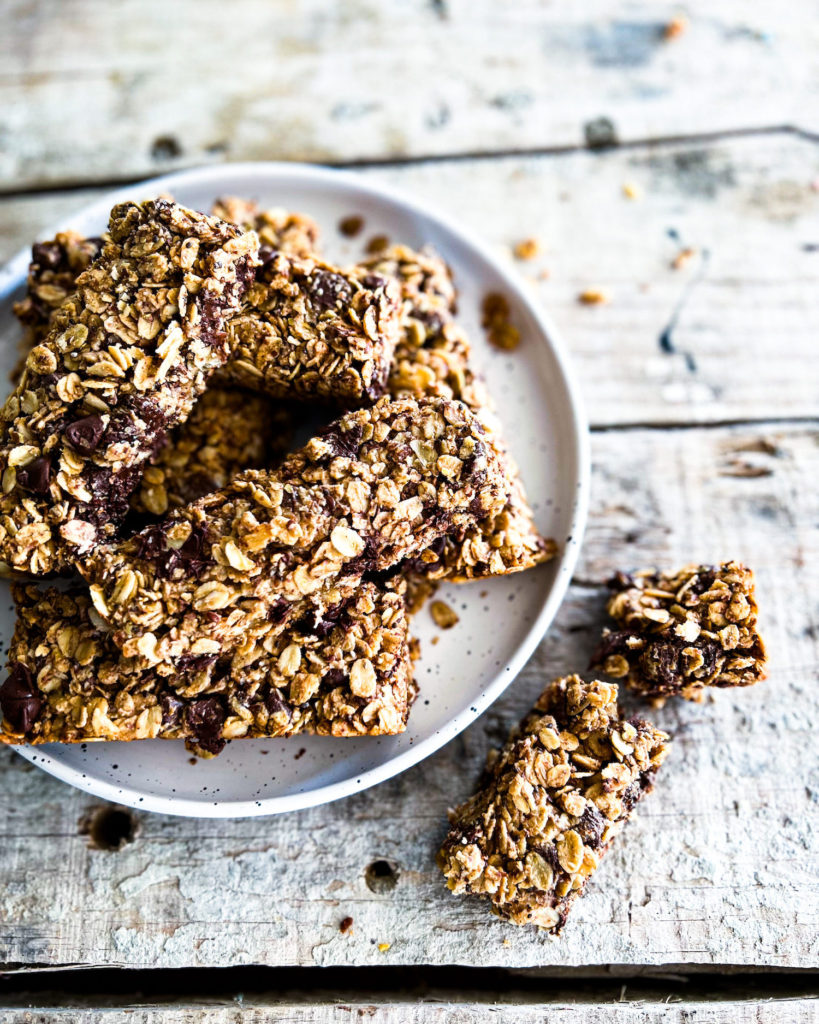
(47, 254)
(275, 703)
(343, 443)
(328, 289)
(332, 678)
(152, 545)
(612, 642)
(171, 709)
(266, 254)
(35, 476)
(20, 700)
(591, 826)
(205, 719)
(85, 434)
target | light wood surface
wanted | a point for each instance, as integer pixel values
(708, 451)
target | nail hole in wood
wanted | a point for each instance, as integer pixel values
(109, 828)
(381, 876)
(165, 147)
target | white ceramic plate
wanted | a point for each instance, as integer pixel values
(501, 620)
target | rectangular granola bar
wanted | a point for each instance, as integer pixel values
(433, 357)
(228, 431)
(311, 331)
(680, 632)
(124, 360)
(553, 800)
(347, 673)
(377, 487)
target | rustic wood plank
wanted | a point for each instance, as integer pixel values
(745, 343)
(719, 868)
(95, 91)
(791, 1011)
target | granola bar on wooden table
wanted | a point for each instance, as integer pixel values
(377, 487)
(680, 632)
(346, 673)
(124, 360)
(552, 802)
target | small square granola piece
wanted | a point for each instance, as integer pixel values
(680, 632)
(552, 801)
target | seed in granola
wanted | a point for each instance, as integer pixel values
(444, 616)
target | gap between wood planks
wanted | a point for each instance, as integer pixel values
(111, 987)
(76, 185)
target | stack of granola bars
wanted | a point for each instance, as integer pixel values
(223, 585)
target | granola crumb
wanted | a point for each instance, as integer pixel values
(593, 297)
(346, 926)
(495, 313)
(632, 191)
(683, 258)
(384, 946)
(676, 27)
(527, 249)
(378, 243)
(351, 226)
(444, 616)
(434, 640)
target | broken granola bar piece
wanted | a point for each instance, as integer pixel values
(552, 801)
(346, 672)
(228, 431)
(375, 488)
(124, 360)
(678, 633)
(433, 357)
(311, 331)
(52, 276)
(292, 233)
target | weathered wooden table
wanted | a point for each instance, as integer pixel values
(704, 444)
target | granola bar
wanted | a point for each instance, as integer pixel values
(344, 674)
(229, 430)
(375, 488)
(310, 331)
(292, 233)
(552, 802)
(125, 359)
(433, 358)
(52, 275)
(678, 633)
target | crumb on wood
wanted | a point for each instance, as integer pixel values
(346, 926)
(683, 258)
(632, 191)
(675, 27)
(495, 313)
(527, 249)
(384, 946)
(377, 244)
(593, 297)
(351, 226)
(444, 616)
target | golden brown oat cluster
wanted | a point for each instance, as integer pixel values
(553, 800)
(678, 633)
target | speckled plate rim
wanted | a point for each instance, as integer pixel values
(13, 275)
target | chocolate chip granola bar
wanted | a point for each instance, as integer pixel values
(124, 360)
(311, 331)
(680, 632)
(553, 800)
(228, 431)
(292, 233)
(346, 673)
(375, 488)
(433, 357)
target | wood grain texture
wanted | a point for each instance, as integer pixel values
(93, 90)
(720, 866)
(795, 1011)
(745, 304)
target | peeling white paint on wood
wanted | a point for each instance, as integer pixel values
(91, 92)
(720, 866)
(745, 338)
